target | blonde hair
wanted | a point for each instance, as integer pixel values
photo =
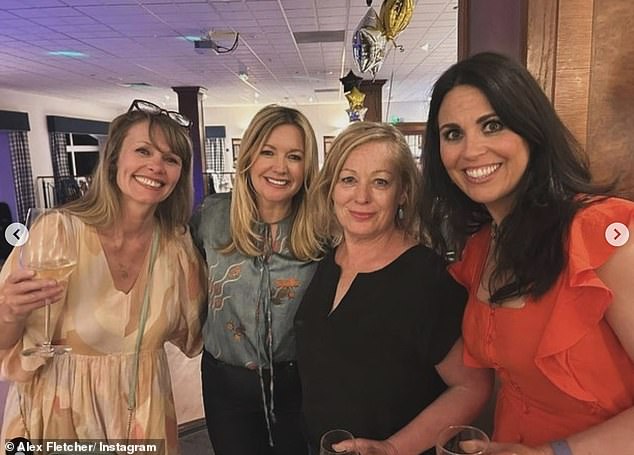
(303, 242)
(359, 133)
(101, 205)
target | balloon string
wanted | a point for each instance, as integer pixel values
(389, 92)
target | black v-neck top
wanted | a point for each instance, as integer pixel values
(368, 367)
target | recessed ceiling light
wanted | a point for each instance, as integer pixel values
(425, 47)
(68, 54)
(134, 84)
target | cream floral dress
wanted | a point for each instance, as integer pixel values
(84, 394)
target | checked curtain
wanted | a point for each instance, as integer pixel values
(59, 156)
(22, 174)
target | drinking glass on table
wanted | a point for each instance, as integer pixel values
(461, 440)
(332, 437)
(51, 253)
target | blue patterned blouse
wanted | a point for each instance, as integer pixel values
(249, 298)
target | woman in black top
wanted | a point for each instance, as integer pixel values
(378, 330)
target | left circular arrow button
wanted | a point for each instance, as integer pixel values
(16, 234)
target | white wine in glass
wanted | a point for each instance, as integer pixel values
(51, 253)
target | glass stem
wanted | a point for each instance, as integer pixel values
(47, 323)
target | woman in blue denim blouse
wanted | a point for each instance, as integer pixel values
(259, 245)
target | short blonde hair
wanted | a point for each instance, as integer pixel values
(101, 205)
(359, 133)
(303, 242)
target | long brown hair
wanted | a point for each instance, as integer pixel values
(101, 205)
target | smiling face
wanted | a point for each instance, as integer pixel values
(277, 173)
(483, 157)
(367, 192)
(147, 170)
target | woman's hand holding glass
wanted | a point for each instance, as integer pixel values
(23, 292)
(496, 448)
(338, 441)
(462, 439)
(366, 447)
(51, 254)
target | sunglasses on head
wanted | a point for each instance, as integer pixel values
(153, 109)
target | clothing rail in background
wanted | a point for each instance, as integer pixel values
(55, 191)
(218, 181)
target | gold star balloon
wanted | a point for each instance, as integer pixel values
(355, 98)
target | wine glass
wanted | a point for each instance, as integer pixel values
(333, 437)
(460, 440)
(51, 253)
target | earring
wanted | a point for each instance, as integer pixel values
(400, 213)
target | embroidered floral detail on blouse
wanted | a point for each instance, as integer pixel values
(238, 331)
(284, 290)
(217, 297)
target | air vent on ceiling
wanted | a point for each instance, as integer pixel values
(326, 90)
(326, 36)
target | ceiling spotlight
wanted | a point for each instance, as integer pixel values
(243, 75)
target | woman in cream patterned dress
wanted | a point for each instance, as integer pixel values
(138, 282)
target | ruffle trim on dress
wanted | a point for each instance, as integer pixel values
(569, 322)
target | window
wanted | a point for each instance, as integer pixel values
(83, 153)
(328, 140)
(235, 147)
(414, 133)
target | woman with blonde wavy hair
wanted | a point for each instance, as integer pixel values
(378, 330)
(259, 243)
(138, 283)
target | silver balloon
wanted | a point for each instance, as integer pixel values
(369, 43)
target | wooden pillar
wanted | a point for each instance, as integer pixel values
(492, 25)
(373, 99)
(190, 104)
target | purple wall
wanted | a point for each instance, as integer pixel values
(7, 194)
(7, 189)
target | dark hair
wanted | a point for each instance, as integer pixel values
(529, 251)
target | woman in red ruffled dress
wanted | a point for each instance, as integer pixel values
(550, 275)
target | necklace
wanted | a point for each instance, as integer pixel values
(495, 230)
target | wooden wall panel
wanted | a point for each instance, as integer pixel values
(373, 99)
(573, 59)
(492, 25)
(541, 47)
(611, 101)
